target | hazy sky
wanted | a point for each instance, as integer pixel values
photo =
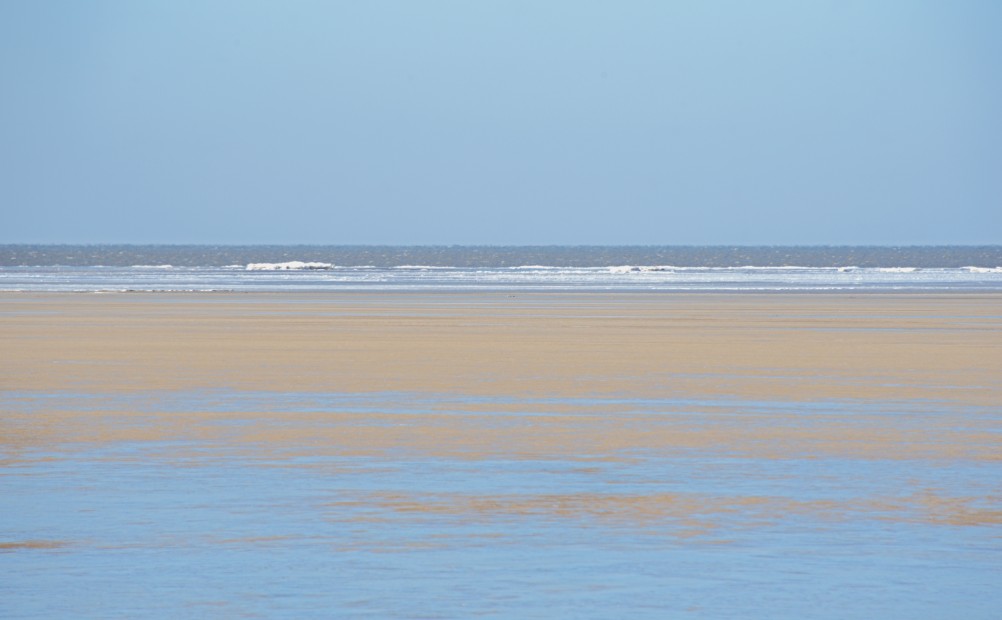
(497, 122)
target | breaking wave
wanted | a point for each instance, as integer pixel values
(640, 269)
(294, 265)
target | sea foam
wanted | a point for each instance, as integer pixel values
(294, 265)
(640, 269)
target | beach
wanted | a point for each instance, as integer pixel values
(511, 453)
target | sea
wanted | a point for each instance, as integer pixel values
(259, 268)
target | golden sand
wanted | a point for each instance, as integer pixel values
(767, 347)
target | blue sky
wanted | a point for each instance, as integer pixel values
(558, 122)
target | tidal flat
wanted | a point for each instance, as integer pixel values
(487, 454)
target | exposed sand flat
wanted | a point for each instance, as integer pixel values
(721, 351)
(606, 378)
(762, 347)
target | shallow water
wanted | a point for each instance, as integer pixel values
(288, 504)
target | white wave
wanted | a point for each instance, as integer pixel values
(973, 269)
(294, 265)
(897, 269)
(421, 267)
(152, 290)
(639, 269)
(847, 268)
(675, 268)
(769, 268)
(153, 266)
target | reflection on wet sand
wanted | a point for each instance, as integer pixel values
(694, 511)
(853, 432)
(31, 544)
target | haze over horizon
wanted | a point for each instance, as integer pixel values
(497, 123)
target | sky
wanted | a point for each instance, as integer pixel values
(501, 122)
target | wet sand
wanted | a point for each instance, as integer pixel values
(696, 417)
(767, 347)
(702, 348)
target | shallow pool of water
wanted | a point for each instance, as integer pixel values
(241, 504)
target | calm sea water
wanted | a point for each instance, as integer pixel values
(305, 268)
(231, 527)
